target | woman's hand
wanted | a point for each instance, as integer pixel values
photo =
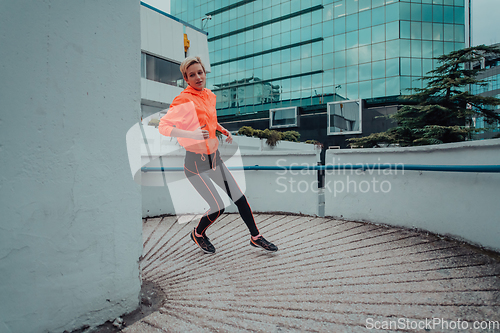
(200, 133)
(224, 131)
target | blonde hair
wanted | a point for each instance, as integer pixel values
(188, 62)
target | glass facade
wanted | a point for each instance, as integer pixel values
(490, 75)
(493, 83)
(492, 89)
(273, 54)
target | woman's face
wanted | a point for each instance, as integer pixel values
(195, 76)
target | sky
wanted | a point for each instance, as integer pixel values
(485, 22)
(163, 5)
(485, 19)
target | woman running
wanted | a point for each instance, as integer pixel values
(192, 119)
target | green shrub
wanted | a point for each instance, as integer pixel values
(260, 134)
(246, 130)
(273, 138)
(316, 143)
(292, 136)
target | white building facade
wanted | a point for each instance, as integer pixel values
(165, 42)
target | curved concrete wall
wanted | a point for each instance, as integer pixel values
(267, 191)
(70, 230)
(458, 204)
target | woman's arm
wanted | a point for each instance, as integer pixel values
(197, 134)
(182, 115)
(225, 132)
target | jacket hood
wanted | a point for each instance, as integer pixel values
(193, 91)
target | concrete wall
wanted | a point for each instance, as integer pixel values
(70, 226)
(267, 191)
(461, 205)
(198, 46)
(161, 35)
(158, 92)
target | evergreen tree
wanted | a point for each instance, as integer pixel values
(442, 111)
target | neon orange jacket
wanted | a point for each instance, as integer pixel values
(190, 110)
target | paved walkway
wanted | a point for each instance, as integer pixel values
(329, 276)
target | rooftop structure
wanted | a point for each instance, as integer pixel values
(328, 276)
(371, 263)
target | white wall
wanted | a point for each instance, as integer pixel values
(198, 46)
(164, 37)
(70, 223)
(161, 35)
(282, 191)
(461, 205)
(158, 92)
(267, 191)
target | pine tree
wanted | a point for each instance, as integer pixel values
(442, 111)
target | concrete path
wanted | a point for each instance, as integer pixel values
(328, 276)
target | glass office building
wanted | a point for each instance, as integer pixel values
(490, 73)
(304, 54)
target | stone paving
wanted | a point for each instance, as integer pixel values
(328, 276)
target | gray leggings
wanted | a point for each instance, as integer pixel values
(203, 171)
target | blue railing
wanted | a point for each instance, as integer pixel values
(364, 167)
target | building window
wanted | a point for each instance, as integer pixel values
(161, 70)
(344, 117)
(283, 117)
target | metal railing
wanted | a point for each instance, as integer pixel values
(359, 166)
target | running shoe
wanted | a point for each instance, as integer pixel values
(203, 242)
(263, 244)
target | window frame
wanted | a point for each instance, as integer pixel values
(329, 108)
(295, 124)
(149, 73)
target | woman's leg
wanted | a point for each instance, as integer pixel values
(202, 182)
(225, 180)
(204, 186)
